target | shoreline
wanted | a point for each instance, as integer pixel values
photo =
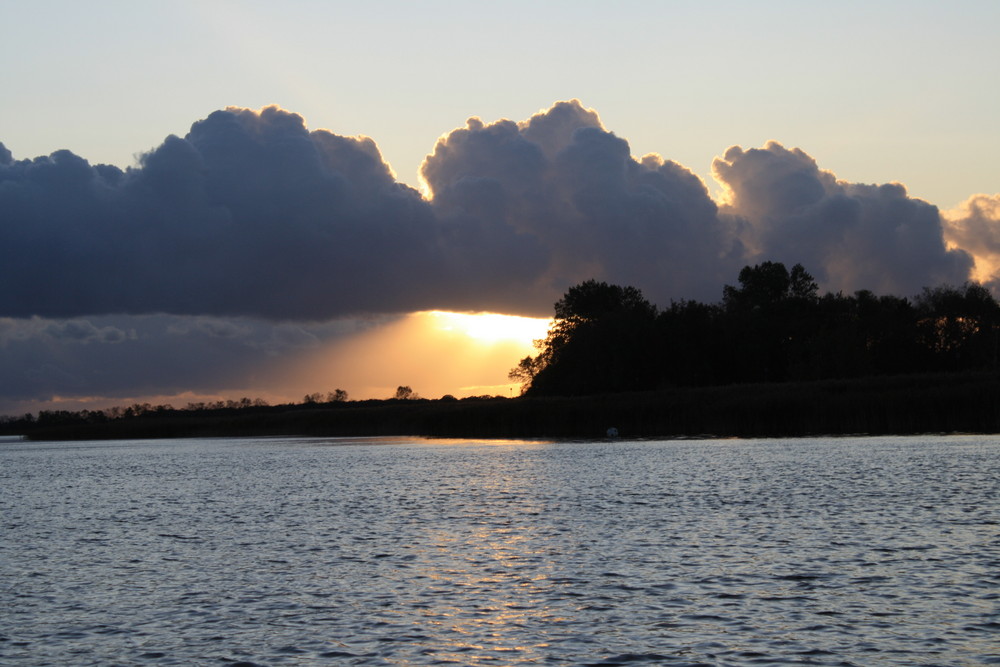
(894, 405)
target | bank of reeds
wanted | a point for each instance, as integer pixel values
(884, 405)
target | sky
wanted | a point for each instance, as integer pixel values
(380, 160)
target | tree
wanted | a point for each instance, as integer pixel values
(600, 342)
(771, 327)
(801, 285)
(769, 320)
(404, 393)
(593, 300)
(764, 285)
(337, 396)
(526, 370)
(959, 326)
(691, 348)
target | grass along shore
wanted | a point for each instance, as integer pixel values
(938, 403)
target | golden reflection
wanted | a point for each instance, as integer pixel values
(493, 554)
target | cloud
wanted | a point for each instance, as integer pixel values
(121, 358)
(48, 375)
(84, 332)
(850, 236)
(78, 331)
(249, 214)
(252, 215)
(562, 200)
(179, 359)
(252, 244)
(212, 327)
(975, 227)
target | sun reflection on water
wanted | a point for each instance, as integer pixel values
(491, 550)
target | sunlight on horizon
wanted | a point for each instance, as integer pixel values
(436, 353)
(490, 328)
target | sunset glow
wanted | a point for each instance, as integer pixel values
(545, 332)
(489, 328)
(436, 353)
(285, 225)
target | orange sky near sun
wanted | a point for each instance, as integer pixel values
(435, 353)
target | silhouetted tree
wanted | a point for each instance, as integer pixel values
(404, 393)
(337, 396)
(958, 326)
(769, 283)
(773, 326)
(600, 342)
(691, 347)
(526, 369)
(769, 318)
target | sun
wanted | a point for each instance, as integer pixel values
(491, 328)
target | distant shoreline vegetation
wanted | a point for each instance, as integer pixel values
(890, 405)
(773, 358)
(772, 328)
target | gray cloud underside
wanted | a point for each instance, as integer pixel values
(131, 356)
(251, 214)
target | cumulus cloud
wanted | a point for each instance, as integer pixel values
(251, 214)
(561, 200)
(975, 227)
(224, 255)
(850, 236)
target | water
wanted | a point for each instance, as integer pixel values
(868, 551)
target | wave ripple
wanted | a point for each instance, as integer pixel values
(368, 552)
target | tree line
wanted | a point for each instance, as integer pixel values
(773, 326)
(143, 410)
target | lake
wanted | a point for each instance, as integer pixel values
(400, 551)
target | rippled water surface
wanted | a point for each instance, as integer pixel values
(408, 551)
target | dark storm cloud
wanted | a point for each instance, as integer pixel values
(253, 215)
(850, 236)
